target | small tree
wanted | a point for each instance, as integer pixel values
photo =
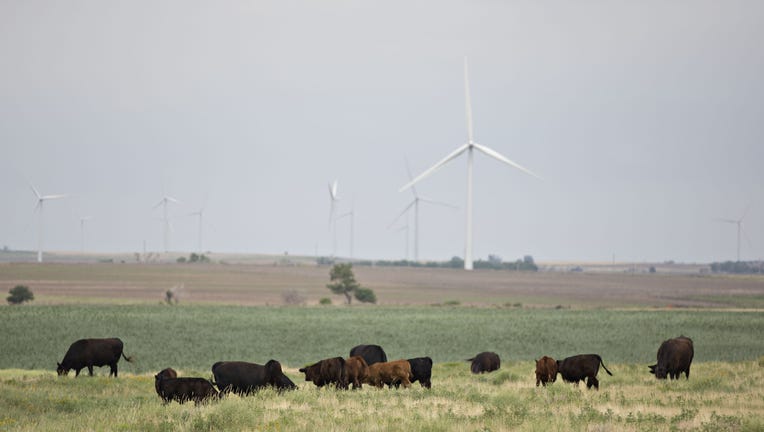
(343, 281)
(365, 295)
(19, 294)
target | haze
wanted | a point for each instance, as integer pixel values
(645, 119)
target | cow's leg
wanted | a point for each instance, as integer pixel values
(113, 370)
(687, 373)
(77, 372)
(90, 370)
(592, 382)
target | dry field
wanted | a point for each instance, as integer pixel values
(246, 284)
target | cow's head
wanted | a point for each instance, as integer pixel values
(661, 372)
(60, 370)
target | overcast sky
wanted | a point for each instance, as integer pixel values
(645, 119)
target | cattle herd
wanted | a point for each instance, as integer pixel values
(366, 364)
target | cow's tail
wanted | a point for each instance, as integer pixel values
(130, 359)
(603, 366)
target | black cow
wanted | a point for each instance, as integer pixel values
(582, 367)
(86, 353)
(421, 370)
(164, 373)
(245, 378)
(485, 362)
(184, 389)
(327, 371)
(674, 357)
(370, 353)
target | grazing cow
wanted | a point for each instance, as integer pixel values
(398, 371)
(370, 353)
(245, 378)
(485, 362)
(86, 353)
(327, 371)
(164, 373)
(184, 389)
(674, 357)
(546, 370)
(421, 370)
(356, 370)
(580, 367)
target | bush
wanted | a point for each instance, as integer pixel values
(19, 294)
(325, 301)
(365, 295)
(292, 297)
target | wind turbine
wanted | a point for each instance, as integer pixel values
(739, 223)
(199, 213)
(40, 200)
(163, 202)
(468, 147)
(351, 215)
(332, 210)
(405, 229)
(415, 205)
(82, 230)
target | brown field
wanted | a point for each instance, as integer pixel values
(249, 284)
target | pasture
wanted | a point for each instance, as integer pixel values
(447, 315)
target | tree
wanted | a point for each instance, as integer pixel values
(19, 294)
(365, 295)
(343, 281)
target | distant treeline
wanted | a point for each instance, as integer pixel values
(740, 267)
(493, 262)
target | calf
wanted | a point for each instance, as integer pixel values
(485, 362)
(582, 367)
(356, 370)
(546, 370)
(398, 371)
(164, 373)
(327, 371)
(184, 389)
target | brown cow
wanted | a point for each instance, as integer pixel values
(674, 357)
(356, 370)
(485, 362)
(327, 371)
(546, 370)
(398, 371)
(164, 373)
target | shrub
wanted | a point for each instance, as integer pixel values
(325, 301)
(292, 297)
(19, 294)
(365, 295)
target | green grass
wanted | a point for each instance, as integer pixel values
(718, 397)
(194, 337)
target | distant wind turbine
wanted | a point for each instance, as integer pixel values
(199, 213)
(82, 230)
(163, 202)
(739, 223)
(405, 229)
(468, 147)
(415, 205)
(351, 215)
(40, 200)
(333, 198)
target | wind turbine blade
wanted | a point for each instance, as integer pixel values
(467, 102)
(725, 220)
(436, 167)
(408, 207)
(50, 197)
(429, 201)
(159, 203)
(496, 155)
(333, 190)
(171, 199)
(745, 213)
(411, 177)
(36, 192)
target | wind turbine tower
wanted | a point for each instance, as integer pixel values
(739, 223)
(333, 199)
(468, 147)
(40, 200)
(167, 227)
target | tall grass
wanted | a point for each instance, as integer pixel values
(194, 337)
(718, 397)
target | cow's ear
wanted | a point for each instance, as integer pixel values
(58, 365)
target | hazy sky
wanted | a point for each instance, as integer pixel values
(645, 119)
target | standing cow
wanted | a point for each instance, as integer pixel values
(356, 370)
(86, 353)
(546, 371)
(674, 357)
(398, 371)
(421, 370)
(328, 371)
(371, 353)
(582, 367)
(245, 378)
(485, 362)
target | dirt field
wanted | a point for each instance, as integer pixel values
(266, 285)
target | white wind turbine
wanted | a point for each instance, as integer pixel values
(163, 202)
(82, 230)
(415, 205)
(468, 147)
(739, 223)
(40, 200)
(199, 213)
(333, 198)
